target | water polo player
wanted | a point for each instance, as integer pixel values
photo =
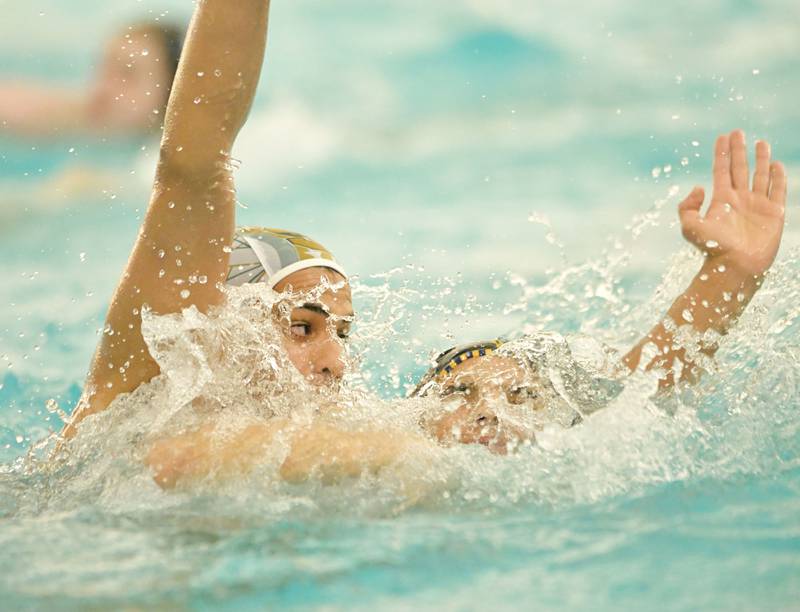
(182, 256)
(739, 235)
(498, 393)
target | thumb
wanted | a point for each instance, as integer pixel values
(689, 213)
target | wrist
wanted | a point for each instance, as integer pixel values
(729, 275)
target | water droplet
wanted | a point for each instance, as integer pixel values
(695, 143)
(726, 296)
(161, 273)
(161, 253)
(198, 100)
(145, 52)
(171, 205)
(756, 71)
(740, 297)
(684, 161)
(19, 439)
(179, 148)
(218, 73)
(202, 279)
(721, 268)
(82, 257)
(185, 294)
(655, 172)
(712, 244)
(728, 208)
(687, 316)
(201, 74)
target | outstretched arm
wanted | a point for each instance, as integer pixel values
(739, 237)
(317, 451)
(179, 257)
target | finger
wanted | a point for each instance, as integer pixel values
(722, 162)
(689, 213)
(762, 173)
(740, 174)
(777, 189)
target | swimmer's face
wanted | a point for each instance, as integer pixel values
(315, 330)
(484, 394)
(132, 84)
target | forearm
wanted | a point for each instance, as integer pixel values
(205, 453)
(333, 454)
(713, 302)
(215, 84)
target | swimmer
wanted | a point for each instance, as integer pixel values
(498, 393)
(188, 249)
(128, 95)
(183, 255)
(489, 388)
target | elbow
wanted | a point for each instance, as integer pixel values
(192, 164)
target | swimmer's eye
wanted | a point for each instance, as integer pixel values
(522, 394)
(462, 389)
(300, 329)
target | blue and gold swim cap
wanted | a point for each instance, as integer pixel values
(261, 254)
(449, 359)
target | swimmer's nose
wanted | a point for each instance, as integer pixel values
(329, 361)
(487, 426)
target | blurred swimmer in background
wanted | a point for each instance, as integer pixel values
(127, 95)
(124, 101)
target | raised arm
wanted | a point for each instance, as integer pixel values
(739, 237)
(180, 254)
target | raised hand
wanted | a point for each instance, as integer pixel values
(742, 229)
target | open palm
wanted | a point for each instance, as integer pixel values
(743, 225)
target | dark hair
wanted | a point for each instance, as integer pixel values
(173, 43)
(172, 37)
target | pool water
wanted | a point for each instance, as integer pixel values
(483, 167)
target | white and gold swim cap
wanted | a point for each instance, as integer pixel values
(261, 254)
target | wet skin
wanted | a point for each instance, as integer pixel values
(316, 325)
(484, 390)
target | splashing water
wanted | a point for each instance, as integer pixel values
(739, 423)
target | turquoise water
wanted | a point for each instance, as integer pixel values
(495, 166)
